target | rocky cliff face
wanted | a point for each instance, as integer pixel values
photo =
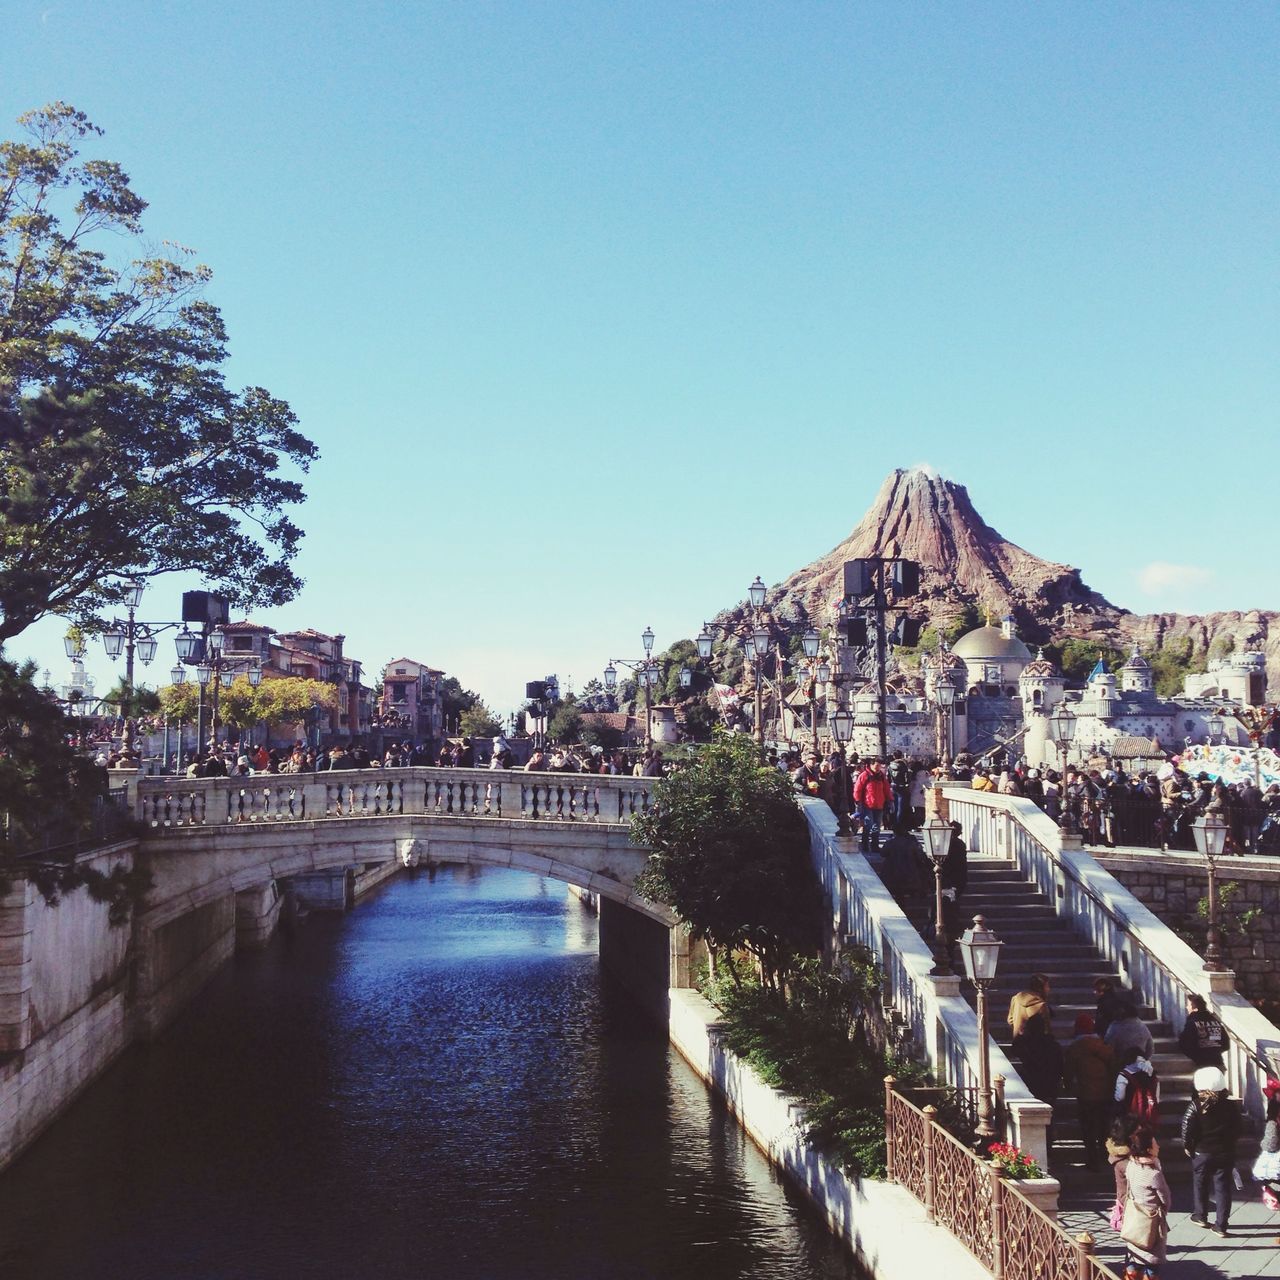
(918, 515)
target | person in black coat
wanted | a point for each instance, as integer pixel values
(1210, 1131)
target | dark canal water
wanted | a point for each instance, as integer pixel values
(438, 1084)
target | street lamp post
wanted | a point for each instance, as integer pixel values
(944, 693)
(647, 673)
(811, 642)
(1063, 726)
(840, 722)
(1216, 726)
(1210, 834)
(981, 950)
(938, 833)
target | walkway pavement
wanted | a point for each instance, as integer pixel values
(1251, 1251)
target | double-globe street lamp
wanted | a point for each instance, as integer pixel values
(819, 674)
(981, 950)
(756, 641)
(130, 637)
(647, 673)
(213, 669)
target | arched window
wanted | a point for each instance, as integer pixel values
(1037, 697)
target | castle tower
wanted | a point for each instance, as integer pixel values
(1136, 676)
(1041, 687)
(1102, 687)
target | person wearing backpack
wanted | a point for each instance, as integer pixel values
(1203, 1037)
(1137, 1091)
(1210, 1131)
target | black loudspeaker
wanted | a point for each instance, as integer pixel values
(907, 632)
(906, 579)
(855, 632)
(857, 578)
(204, 607)
(535, 690)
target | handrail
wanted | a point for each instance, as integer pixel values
(1157, 964)
(942, 1026)
(994, 1218)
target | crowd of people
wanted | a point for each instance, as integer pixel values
(1108, 1065)
(1105, 804)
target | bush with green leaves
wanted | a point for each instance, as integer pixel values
(730, 855)
(824, 1046)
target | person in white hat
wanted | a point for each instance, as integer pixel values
(1210, 1131)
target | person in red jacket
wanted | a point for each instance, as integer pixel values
(872, 794)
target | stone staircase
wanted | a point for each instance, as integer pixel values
(1036, 941)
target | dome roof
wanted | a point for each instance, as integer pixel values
(1136, 662)
(990, 642)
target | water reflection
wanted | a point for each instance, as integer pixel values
(438, 1084)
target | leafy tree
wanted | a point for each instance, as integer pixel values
(179, 702)
(132, 702)
(595, 697)
(730, 854)
(1076, 657)
(122, 449)
(597, 732)
(290, 699)
(48, 795)
(701, 718)
(477, 721)
(1171, 664)
(454, 699)
(1222, 647)
(566, 724)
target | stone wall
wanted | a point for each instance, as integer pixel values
(1172, 885)
(64, 1001)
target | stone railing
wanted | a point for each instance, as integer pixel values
(270, 798)
(1152, 960)
(942, 1025)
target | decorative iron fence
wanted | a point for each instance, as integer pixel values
(62, 832)
(1007, 1233)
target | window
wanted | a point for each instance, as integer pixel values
(398, 693)
(400, 671)
(1037, 697)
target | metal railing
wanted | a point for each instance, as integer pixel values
(63, 833)
(988, 1214)
(422, 791)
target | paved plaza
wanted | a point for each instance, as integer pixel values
(1252, 1248)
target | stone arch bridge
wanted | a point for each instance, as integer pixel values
(217, 848)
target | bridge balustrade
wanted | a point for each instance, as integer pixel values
(423, 791)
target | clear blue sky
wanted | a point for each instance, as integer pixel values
(596, 311)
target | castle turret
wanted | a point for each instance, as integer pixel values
(1135, 675)
(1041, 687)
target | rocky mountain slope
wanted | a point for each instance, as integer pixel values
(919, 515)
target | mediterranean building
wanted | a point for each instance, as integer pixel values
(411, 704)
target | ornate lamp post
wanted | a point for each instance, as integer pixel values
(944, 693)
(1062, 725)
(755, 641)
(1216, 725)
(840, 722)
(811, 642)
(981, 950)
(647, 674)
(938, 833)
(686, 677)
(1210, 834)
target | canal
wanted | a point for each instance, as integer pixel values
(440, 1083)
